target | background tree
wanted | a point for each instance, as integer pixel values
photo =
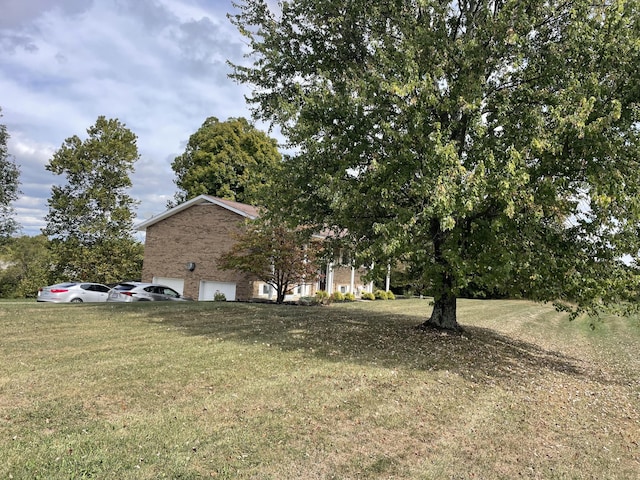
(231, 160)
(90, 219)
(278, 256)
(25, 266)
(9, 186)
(484, 141)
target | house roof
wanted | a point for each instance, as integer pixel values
(242, 209)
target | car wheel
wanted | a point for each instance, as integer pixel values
(76, 300)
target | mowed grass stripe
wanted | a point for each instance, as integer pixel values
(349, 391)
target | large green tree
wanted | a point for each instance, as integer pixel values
(90, 219)
(9, 186)
(231, 160)
(493, 142)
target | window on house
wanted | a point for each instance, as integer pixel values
(266, 289)
(344, 289)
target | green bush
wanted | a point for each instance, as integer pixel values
(380, 294)
(322, 294)
(337, 297)
(368, 296)
(390, 295)
(349, 297)
(219, 297)
(323, 297)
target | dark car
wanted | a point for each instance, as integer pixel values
(143, 292)
(74, 292)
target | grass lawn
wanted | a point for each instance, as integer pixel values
(353, 391)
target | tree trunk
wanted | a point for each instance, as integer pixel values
(281, 291)
(443, 315)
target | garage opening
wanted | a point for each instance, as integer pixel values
(176, 283)
(208, 290)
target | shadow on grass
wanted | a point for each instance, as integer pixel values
(388, 340)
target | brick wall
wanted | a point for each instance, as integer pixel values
(198, 234)
(342, 276)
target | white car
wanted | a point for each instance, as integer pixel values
(74, 292)
(143, 292)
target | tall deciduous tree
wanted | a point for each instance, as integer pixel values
(9, 186)
(90, 219)
(485, 141)
(231, 160)
(278, 256)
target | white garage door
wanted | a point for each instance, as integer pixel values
(208, 289)
(176, 283)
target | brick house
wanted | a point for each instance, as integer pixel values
(183, 243)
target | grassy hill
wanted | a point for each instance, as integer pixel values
(229, 390)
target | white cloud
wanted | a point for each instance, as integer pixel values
(20, 12)
(159, 66)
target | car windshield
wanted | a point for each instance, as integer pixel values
(65, 285)
(125, 287)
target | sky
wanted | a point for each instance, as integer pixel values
(158, 66)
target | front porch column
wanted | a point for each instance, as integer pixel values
(352, 286)
(387, 284)
(330, 278)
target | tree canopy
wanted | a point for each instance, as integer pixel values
(485, 141)
(231, 160)
(90, 219)
(281, 257)
(9, 186)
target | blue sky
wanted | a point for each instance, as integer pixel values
(159, 66)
